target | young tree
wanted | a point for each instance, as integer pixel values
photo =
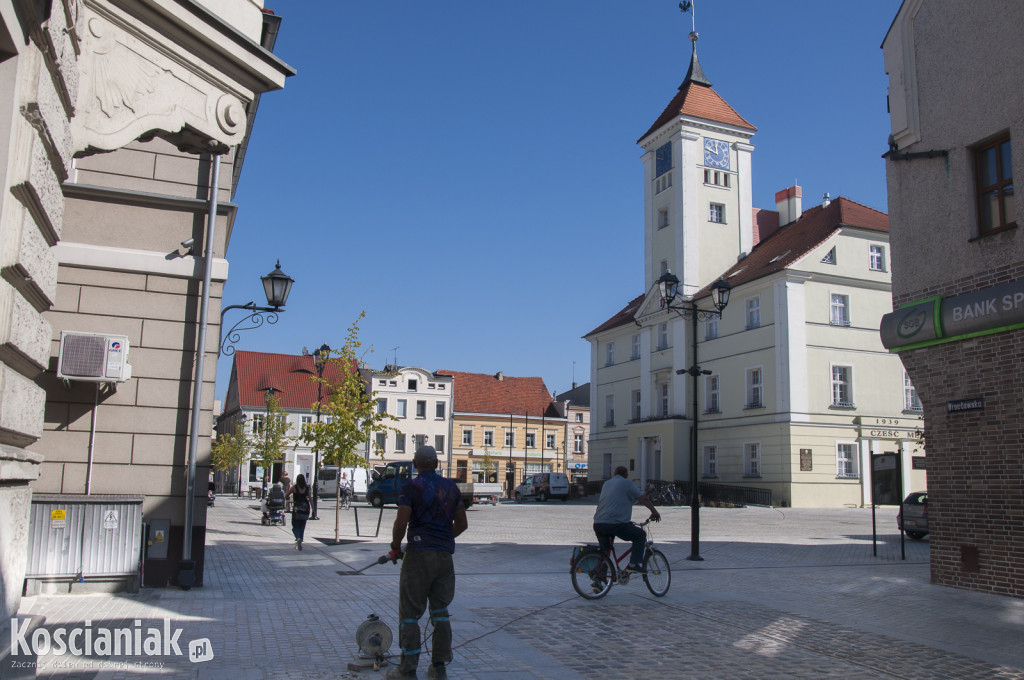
(269, 443)
(351, 412)
(230, 450)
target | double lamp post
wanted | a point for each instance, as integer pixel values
(668, 288)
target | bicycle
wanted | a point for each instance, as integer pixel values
(594, 571)
(346, 499)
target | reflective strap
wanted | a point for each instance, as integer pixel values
(405, 621)
(410, 652)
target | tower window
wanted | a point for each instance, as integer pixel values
(717, 213)
(663, 159)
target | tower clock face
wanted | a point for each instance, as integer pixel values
(716, 153)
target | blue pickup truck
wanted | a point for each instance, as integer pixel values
(387, 485)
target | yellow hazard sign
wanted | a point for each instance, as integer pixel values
(159, 538)
(58, 514)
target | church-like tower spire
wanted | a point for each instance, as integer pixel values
(695, 74)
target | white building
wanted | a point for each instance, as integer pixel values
(796, 390)
(421, 401)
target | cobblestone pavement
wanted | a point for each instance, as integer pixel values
(780, 593)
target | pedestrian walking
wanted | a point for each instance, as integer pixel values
(430, 507)
(299, 494)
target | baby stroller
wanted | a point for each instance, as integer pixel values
(273, 507)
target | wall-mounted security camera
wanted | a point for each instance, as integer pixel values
(189, 245)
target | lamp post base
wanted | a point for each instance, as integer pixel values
(695, 558)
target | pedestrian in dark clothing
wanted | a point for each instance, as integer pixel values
(432, 510)
(300, 509)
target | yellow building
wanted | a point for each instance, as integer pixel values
(504, 428)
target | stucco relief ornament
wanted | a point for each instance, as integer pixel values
(132, 88)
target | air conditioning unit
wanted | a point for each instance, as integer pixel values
(93, 357)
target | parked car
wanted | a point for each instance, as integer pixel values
(543, 486)
(915, 510)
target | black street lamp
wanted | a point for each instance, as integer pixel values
(276, 285)
(668, 286)
(320, 356)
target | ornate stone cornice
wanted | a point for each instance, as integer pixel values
(163, 78)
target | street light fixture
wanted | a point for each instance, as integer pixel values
(668, 287)
(276, 285)
(320, 356)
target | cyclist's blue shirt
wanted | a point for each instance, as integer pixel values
(615, 504)
(434, 501)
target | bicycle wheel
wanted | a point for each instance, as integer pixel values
(592, 575)
(659, 575)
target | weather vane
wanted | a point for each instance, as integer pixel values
(687, 6)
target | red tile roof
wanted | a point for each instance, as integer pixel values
(699, 101)
(289, 373)
(484, 393)
(623, 316)
(781, 248)
(792, 241)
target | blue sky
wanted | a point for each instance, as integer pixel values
(467, 172)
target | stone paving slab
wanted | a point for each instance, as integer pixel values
(781, 592)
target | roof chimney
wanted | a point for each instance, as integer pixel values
(825, 200)
(789, 204)
(499, 375)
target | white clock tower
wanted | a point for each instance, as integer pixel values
(697, 194)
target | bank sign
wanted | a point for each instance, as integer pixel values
(938, 320)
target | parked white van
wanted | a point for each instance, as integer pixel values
(327, 482)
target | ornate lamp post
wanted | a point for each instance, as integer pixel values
(276, 285)
(320, 357)
(668, 286)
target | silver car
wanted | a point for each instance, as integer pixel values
(913, 515)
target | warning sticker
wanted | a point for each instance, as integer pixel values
(58, 519)
(110, 519)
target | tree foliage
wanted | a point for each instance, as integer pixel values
(230, 449)
(269, 444)
(349, 417)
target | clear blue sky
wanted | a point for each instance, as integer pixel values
(467, 172)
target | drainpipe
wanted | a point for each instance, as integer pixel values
(187, 567)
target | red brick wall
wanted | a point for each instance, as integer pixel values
(975, 458)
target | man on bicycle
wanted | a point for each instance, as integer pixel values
(614, 515)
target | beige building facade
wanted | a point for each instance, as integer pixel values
(113, 113)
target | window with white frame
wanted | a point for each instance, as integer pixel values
(711, 396)
(846, 460)
(609, 410)
(754, 312)
(489, 437)
(550, 443)
(305, 422)
(531, 440)
(752, 459)
(421, 408)
(419, 440)
(399, 442)
(439, 443)
(662, 218)
(711, 461)
(842, 386)
(910, 400)
(662, 335)
(663, 400)
(382, 442)
(609, 354)
(634, 399)
(840, 310)
(510, 437)
(577, 443)
(439, 410)
(830, 256)
(711, 328)
(716, 213)
(467, 436)
(257, 423)
(401, 408)
(636, 346)
(755, 387)
(382, 405)
(876, 258)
